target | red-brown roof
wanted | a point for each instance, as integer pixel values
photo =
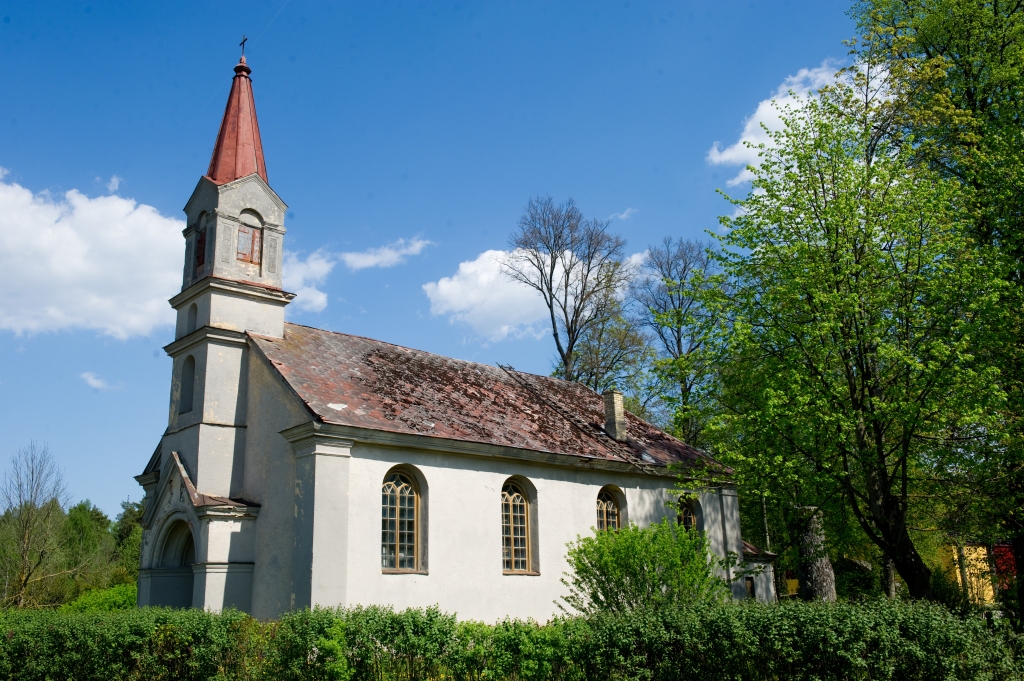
(238, 151)
(364, 383)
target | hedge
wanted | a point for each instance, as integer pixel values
(873, 640)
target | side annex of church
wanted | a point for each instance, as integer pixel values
(302, 467)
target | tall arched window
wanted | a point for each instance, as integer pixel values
(192, 319)
(515, 531)
(188, 384)
(399, 515)
(607, 511)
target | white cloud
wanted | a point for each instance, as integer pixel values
(385, 256)
(491, 303)
(303, 277)
(114, 183)
(805, 81)
(624, 215)
(74, 262)
(94, 381)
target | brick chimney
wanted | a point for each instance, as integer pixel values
(614, 415)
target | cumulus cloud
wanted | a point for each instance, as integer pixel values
(302, 276)
(624, 215)
(767, 114)
(94, 381)
(492, 304)
(74, 262)
(385, 256)
(114, 183)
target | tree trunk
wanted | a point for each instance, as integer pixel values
(817, 580)
(910, 566)
(888, 577)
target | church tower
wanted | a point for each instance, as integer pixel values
(231, 285)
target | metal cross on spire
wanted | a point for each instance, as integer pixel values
(242, 44)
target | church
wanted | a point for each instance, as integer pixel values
(303, 467)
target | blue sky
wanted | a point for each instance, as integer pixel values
(406, 138)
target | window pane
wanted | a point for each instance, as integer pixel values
(398, 524)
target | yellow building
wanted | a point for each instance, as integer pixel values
(971, 566)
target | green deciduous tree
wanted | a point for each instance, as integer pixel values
(960, 65)
(51, 553)
(854, 293)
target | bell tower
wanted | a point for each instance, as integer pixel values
(231, 286)
(234, 234)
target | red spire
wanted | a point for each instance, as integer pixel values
(238, 151)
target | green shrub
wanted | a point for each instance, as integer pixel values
(120, 597)
(660, 566)
(877, 640)
(150, 643)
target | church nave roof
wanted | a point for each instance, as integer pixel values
(364, 383)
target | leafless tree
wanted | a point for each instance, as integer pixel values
(612, 351)
(668, 303)
(576, 266)
(33, 496)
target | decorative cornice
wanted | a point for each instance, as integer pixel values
(329, 433)
(231, 287)
(211, 334)
(307, 440)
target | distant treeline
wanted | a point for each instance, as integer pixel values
(50, 552)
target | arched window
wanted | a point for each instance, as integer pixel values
(250, 237)
(607, 511)
(193, 315)
(515, 531)
(188, 384)
(399, 516)
(687, 518)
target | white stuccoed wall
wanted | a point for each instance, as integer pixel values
(464, 533)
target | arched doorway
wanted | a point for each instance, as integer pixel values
(172, 578)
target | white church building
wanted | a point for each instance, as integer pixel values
(303, 467)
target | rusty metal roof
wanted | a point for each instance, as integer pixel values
(238, 151)
(364, 383)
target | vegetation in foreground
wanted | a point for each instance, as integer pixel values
(882, 639)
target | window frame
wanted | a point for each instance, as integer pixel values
(607, 497)
(417, 539)
(681, 518)
(529, 528)
(252, 235)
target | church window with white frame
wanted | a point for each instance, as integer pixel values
(607, 511)
(399, 518)
(515, 530)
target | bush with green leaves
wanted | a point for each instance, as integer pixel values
(659, 566)
(880, 640)
(120, 597)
